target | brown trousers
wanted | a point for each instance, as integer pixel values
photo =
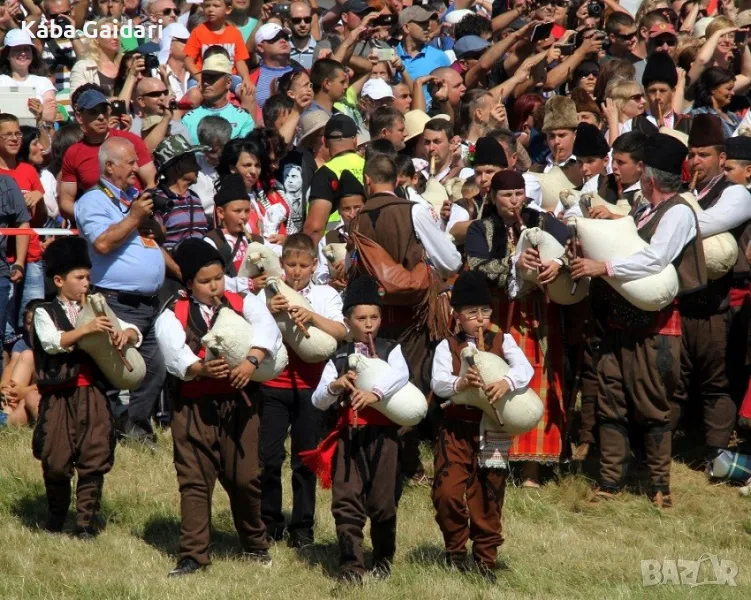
(366, 482)
(75, 430)
(218, 438)
(703, 368)
(468, 500)
(638, 376)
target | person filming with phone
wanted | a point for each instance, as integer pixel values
(127, 265)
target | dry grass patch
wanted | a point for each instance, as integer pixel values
(558, 545)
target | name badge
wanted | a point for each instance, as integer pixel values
(148, 242)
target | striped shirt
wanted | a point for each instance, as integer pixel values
(304, 56)
(265, 77)
(185, 219)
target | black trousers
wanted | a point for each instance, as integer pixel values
(288, 410)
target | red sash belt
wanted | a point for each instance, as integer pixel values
(321, 459)
(198, 388)
(84, 379)
(463, 413)
(738, 296)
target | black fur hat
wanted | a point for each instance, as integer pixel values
(363, 290)
(470, 289)
(66, 254)
(192, 255)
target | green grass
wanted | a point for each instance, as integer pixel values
(557, 545)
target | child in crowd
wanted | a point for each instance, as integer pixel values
(471, 465)
(75, 429)
(18, 387)
(351, 200)
(364, 448)
(287, 399)
(215, 420)
(215, 31)
(230, 238)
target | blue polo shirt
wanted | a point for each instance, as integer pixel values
(242, 123)
(423, 63)
(132, 267)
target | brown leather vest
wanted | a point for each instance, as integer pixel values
(493, 338)
(387, 220)
(690, 264)
(334, 236)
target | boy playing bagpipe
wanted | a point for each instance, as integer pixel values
(471, 462)
(215, 421)
(75, 429)
(364, 447)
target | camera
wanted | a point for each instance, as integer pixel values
(161, 202)
(150, 61)
(280, 10)
(118, 108)
(594, 9)
(172, 105)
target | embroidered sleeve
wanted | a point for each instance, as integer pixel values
(496, 270)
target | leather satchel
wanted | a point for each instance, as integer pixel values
(402, 287)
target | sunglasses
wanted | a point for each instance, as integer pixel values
(282, 35)
(169, 11)
(299, 20)
(636, 97)
(155, 94)
(670, 41)
(625, 36)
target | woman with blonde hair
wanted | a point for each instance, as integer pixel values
(102, 59)
(624, 100)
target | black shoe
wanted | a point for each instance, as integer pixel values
(186, 566)
(351, 576)
(381, 570)
(299, 538)
(460, 562)
(487, 572)
(261, 557)
(275, 533)
(86, 535)
(55, 524)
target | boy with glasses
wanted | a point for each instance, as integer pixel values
(470, 476)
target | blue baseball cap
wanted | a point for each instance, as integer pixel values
(91, 98)
(470, 44)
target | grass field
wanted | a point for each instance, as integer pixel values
(557, 545)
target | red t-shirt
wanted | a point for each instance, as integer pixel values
(28, 180)
(81, 161)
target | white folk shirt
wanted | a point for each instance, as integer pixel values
(391, 381)
(178, 357)
(441, 251)
(49, 335)
(733, 208)
(443, 381)
(325, 301)
(676, 229)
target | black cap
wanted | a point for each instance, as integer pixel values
(665, 153)
(590, 142)
(470, 289)
(357, 6)
(660, 67)
(706, 130)
(192, 255)
(340, 126)
(66, 254)
(489, 151)
(363, 290)
(349, 185)
(738, 148)
(231, 188)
